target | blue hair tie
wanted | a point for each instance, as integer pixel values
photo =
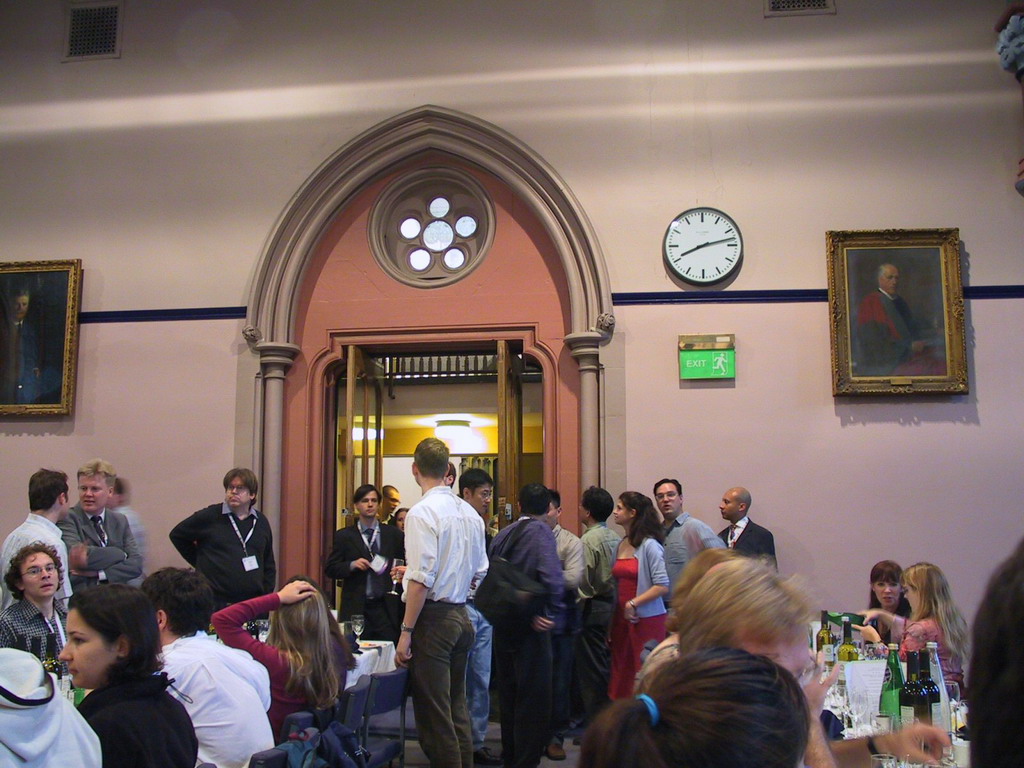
(652, 708)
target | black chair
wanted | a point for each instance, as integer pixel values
(388, 692)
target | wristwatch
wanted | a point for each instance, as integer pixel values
(407, 628)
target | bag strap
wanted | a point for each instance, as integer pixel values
(509, 543)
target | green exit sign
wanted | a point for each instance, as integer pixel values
(707, 356)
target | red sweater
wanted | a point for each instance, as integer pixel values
(228, 623)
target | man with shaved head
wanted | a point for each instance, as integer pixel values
(743, 534)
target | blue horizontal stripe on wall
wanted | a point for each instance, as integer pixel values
(618, 299)
(162, 315)
(782, 297)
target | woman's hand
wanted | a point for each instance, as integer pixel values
(296, 592)
(629, 612)
(816, 684)
(869, 634)
(877, 613)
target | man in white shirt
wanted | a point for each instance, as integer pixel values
(48, 505)
(444, 547)
(225, 691)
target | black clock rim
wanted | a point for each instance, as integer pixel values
(671, 268)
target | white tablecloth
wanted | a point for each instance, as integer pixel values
(376, 656)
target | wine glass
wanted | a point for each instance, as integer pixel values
(953, 694)
(396, 563)
(358, 624)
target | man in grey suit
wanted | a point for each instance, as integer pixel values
(101, 548)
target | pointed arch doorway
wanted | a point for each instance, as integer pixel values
(541, 285)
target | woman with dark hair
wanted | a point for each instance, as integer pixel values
(642, 583)
(715, 707)
(34, 620)
(299, 653)
(934, 617)
(114, 648)
(887, 594)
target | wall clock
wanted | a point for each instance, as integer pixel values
(703, 246)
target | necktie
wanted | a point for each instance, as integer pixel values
(97, 523)
(733, 535)
(373, 589)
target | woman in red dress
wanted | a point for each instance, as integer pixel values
(642, 583)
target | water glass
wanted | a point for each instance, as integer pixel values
(884, 761)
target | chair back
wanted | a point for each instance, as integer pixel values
(352, 704)
(387, 691)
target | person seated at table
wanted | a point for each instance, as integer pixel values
(887, 594)
(113, 648)
(997, 669)
(748, 605)
(934, 617)
(38, 726)
(299, 652)
(33, 577)
(225, 691)
(343, 658)
(715, 707)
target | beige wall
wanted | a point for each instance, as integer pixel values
(164, 171)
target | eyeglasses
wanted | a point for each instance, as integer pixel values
(35, 571)
(237, 489)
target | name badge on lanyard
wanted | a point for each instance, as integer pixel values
(249, 562)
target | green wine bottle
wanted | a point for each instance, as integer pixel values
(892, 684)
(911, 691)
(825, 642)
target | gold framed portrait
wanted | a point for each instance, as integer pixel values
(896, 310)
(39, 303)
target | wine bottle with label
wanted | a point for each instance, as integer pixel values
(50, 662)
(892, 685)
(847, 651)
(929, 706)
(825, 642)
(911, 691)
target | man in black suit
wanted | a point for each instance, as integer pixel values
(743, 534)
(362, 559)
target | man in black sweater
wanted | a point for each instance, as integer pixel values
(231, 543)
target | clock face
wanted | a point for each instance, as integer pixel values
(703, 246)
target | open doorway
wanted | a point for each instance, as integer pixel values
(485, 403)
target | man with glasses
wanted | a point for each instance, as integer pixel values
(101, 546)
(685, 536)
(230, 543)
(48, 505)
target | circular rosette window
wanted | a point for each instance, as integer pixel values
(431, 227)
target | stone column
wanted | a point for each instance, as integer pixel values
(585, 349)
(1011, 55)
(275, 360)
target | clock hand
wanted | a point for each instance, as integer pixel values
(704, 245)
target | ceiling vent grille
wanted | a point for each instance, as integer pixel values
(798, 7)
(92, 31)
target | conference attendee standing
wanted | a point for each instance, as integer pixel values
(570, 556)
(597, 595)
(230, 543)
(101, 546)
(477, 489)
(523, 653)
(743, 534)
(642, 584)
(361, 559)
(685, 536)
(444, 546)
(225, 691)
(48, 506)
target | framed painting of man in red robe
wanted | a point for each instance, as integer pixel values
(897, 312)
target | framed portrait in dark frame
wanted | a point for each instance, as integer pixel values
(896, 311)
(39, 303)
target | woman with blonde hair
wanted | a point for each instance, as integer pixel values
(746, 604)
(934, 617)
(694, 571)
(299, 653)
